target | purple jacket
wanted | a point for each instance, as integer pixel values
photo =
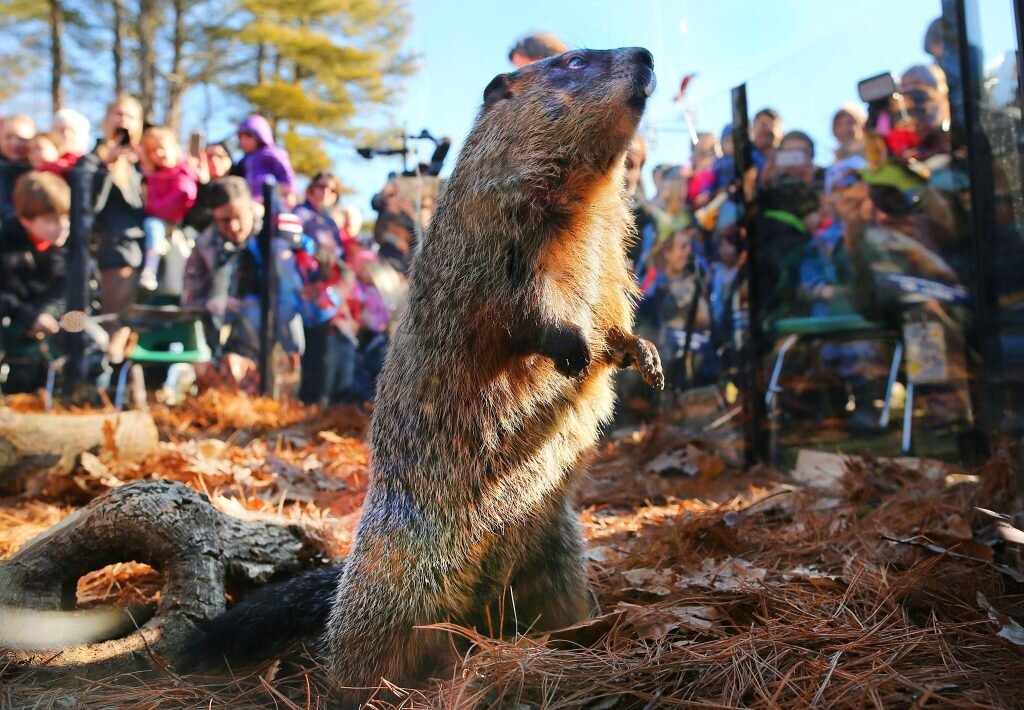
(267, 160)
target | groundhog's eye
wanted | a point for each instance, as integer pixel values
(576, 62)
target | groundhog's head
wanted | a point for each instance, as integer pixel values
(588, 100)
(552, 126)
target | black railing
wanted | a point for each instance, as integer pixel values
(268, 287)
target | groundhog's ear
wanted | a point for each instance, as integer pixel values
(497, 90)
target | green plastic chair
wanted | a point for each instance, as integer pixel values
(167, 344)
(847, 326)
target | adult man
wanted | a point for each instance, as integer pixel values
(224, 272)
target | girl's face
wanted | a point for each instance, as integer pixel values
(679, 253)
(161, 152)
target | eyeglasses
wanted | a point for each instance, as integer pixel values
(319, 186)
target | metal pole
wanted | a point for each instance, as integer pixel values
(80, 180)
(268, 287)
(750, 354)
(1018, 14)
(968, 131)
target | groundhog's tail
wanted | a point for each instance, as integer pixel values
(266, 623)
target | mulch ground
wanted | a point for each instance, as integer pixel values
(717, 586)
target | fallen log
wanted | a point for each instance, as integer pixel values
(170, 527)
(30, 443)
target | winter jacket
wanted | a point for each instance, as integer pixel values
(217, 267)
(117, 224)
(268, 160)
(32, 282)
(319, 226)
(171, 192)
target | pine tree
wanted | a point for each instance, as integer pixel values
(317, 69)
(319, 64)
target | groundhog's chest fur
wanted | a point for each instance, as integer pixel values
(463, 420)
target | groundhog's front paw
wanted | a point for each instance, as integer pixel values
(649, 363)
(568, 349)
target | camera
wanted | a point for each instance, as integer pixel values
(431, 168)
(881, 95)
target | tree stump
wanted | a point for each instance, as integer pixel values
(167, 526)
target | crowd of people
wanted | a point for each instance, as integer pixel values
(877, 232)
(170, 227)
(834, 235)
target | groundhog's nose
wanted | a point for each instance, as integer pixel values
(643, 56)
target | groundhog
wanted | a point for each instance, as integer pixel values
(495, 388)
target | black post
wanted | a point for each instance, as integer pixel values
(968, 131)
(268, 287)
(1018, 15)
(750, 353)
(80, 180)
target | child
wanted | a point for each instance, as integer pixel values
(33, 268)
(171, 187)
(42, 150)
(262, 159)
(330, 313)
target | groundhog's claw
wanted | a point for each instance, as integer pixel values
(628, 351)
(649, 363)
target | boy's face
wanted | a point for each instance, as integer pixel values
(50, 228)
(767, 133)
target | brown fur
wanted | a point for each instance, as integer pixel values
(499, 376)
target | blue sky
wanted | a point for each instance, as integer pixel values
(803, 57)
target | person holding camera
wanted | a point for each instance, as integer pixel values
(117, 203)
(788, 200)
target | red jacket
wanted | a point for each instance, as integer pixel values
(170, 192)
(62, 165)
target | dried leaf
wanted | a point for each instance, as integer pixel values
(1009, 629)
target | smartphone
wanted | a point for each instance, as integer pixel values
(196, 144)
(122, 136)
(876, 88)
(791, 159)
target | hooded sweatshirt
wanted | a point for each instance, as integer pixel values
(268, 159)
(171, 192)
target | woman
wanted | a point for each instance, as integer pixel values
(118, 203)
